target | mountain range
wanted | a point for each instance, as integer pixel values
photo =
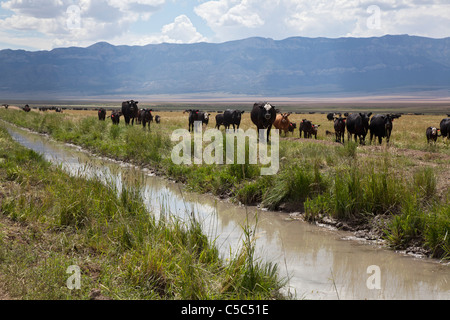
(254, 66)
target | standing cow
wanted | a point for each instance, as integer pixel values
(26, 108)
(130, 111)
(219, 120)
(381, 126)
(357, 124)
(339, 128)
(196, 115)
(263, 116)
(115, 117)
(432, 134)
(306, 128)
(157, 119)
(231, 117)
(282, 122)
(445, 127)
(146, 117)
(101, 114)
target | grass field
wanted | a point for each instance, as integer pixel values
(404, 184)
(50, 221)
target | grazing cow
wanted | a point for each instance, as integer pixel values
(157, 119)
(331, 116)
(231, 117)
(292, 127)
(115, 117)
(26, 108)
(147, 117)
(445, 128)
(263, 115)
(339, 128)
(282, 122)
(306, 128)
(358, 125)
(130, 111)
(381, 126)
(101, 114)
(219, 120)
(432, 134)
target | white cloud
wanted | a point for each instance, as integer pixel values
(235, 19)
(181, 30)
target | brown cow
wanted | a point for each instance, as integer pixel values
(282, 122)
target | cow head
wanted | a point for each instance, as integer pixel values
(284, 117)
(267, 109)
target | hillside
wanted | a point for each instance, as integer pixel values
(254, 66)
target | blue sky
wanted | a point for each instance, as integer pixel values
(47, 24)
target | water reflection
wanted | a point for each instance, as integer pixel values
(319, 263)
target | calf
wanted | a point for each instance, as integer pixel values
(314, 130)
(115, 117)
(292, 127)
(219, 120)
(432, 134)
(157, 119)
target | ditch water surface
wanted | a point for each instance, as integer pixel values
(319, 263)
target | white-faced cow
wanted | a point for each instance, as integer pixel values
(432, 134)
(263, 116)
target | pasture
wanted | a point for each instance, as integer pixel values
(398, 191)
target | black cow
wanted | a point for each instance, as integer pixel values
(232, 117)
(357, 124)
(432, 134)
(445, 127)
(292, 127)
(263, 115)
(157, 119)
(339, 128)
(306, 127)
(101, 114)
(130, 111)
(219, 120)
(147, 117)
(115, 117)
(5, 105)
(26, 108)
(381, 126)
(196, 115)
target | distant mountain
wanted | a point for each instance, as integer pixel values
(253, 66)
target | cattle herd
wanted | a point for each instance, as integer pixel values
(264, 115)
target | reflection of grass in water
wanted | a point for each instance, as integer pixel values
(119, 246)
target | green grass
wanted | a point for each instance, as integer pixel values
(347, 182)
(50, 221)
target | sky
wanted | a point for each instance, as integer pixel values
(48, 24)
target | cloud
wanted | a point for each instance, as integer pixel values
(96, 20)
(181, 30)
(234, 19)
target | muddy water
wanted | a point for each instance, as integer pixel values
(320, 263)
